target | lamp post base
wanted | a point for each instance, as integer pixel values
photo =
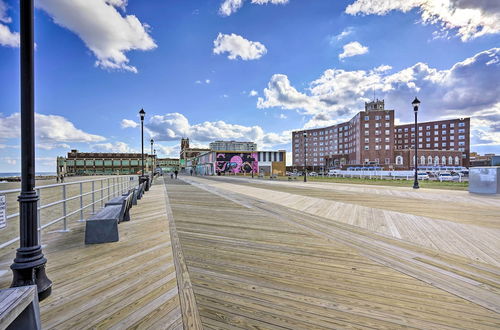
(29, 269)
(416, 186)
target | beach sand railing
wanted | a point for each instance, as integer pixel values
(63, 202)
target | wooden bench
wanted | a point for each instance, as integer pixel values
(141, 189)
(102, 227)
(19, 308)
(292, 178)
(125, 201)
(273, 177)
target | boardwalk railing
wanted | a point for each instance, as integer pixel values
(64, 202)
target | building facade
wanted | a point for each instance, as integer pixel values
(227, 162)
(96, 163)
(372, 138)
(168, 164)
(233, 146)
(187, 152)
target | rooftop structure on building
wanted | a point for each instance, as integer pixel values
(233, 146)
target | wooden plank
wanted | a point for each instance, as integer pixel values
(190, 315)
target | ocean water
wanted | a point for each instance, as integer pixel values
(8, 175)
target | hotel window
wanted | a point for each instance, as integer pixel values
(377, 147)
(436, 126)
(420, 145)
(378, 132)
(387, 161)
(436, 132)
(367, 147)
(367, 140)
(400, 130)
(387, 124)
(387, 147)
(444, 138)
(461, 130)
(412, 140)
(377, 117)
(413, 129)
(461, 124)
(315, 133)
(321, 133)
(461, 143)
(427, 127)
(452, 137)
(387, 132)
(436, 145)
(452, 125)
(452, 144)
(443, 144)
(367, 117)
(461, 137)
(443, 132)
(420, 139)
(367, 125)
(443, 126)
(367, 132)
(387, 117)
(436, 138)
(377, 125)
(452, 131)
(429, 160)
(420, 128)
(427, 133)
(406, 129)
(377, 140)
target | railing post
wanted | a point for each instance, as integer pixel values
(81, 202)
(102, 193)
(39, 211)
(64, 208)
(109, 190)
(114, 188)
(93, 198)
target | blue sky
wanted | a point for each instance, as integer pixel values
(244, 70)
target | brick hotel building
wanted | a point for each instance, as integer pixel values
(372, 138)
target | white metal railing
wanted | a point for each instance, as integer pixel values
(74, 200)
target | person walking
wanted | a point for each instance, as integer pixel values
(176, 173)
(171, 175)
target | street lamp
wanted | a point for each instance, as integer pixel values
(151, 141)
(415, 104)
(142, 113)
(29, 265)
(305, 165)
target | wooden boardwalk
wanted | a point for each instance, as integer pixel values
(128, 284)
(258, 264)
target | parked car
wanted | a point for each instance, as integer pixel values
(446, 177)
(313, 174)
(423, 176)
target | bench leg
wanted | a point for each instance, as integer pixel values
(101, 231)
(29, 317)
(126, 216)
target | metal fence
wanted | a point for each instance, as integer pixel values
(63, 202)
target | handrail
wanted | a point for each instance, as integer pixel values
(115, 185)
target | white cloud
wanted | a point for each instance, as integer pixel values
(105, 31)
(229, 7)
(352, 49)
(51, 131)
(168, 151)
(51, 146)
(468, 88)
(127, 123)
(282, 116)
(207, 81)
(382, 68)
(237, 46)
(345, 33)
(7, 37)
(10, 160)
(120, 147)
(253, 93)
(174, 126)
(469, 18)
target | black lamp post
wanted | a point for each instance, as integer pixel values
(415, 104)
(305, 164)
(29, 265)
(142, 113)
(151, 141)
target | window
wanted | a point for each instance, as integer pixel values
(406, 129)
(419, 133)
(429, 160)
(436, 139)
(436, 160)
(377, 117)
(387, 161)
(461, 124)
(443, 160)
(387, 124)
(367, 118)
(367, 125)
(367, 140)
(461, 137)
(422, 160)
(387, 147)
(399, 160)
(367, 147)
(457, 160)
(420, 128)
(420, 146)
(436, 145)
(443, 132)
(452, 125)
(387, 139)
(387, 117)
(450, 160)
(427, 127)
(427, 133)
(377, 125)
(461, 143)
(443, 144)
(461, 130)
(452, 131)
(428, 139)
(436, 126)
(377, 147)
(420, 139)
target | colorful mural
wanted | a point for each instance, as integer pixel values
(229, 162)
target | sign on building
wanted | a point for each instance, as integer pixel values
(3, 211)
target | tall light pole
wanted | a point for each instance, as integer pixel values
(151, 141)
(142, 113)
(29, 265)
(305, 164)
(415, 104)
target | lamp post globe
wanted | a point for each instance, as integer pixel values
(305, 163)
(415, 105)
